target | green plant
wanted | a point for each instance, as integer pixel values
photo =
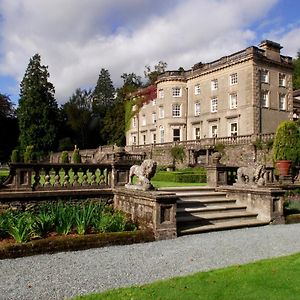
(63, 217)
(258, 144)
(111, 223)
(178, 153)
(29, 154)
(287, 142)
(15, 156)
(43, 221)
(76, 157)
(83, 217)
(64, 158)
(20, 227)
(220, 147)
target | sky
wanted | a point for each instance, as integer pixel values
(76, 38)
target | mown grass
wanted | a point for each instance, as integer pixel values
(274, 279)
(161, 184)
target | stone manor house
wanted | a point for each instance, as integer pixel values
(245, 93)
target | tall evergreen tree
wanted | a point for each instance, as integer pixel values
(104, 91)
(9, 128)
(38, 112)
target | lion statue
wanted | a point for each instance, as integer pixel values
(254, 175)
(144, 173)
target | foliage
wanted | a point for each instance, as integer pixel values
(78, 115)
(15, 156)
(8, 120)
(84, 217)
(292, 202)
(29, 154)
(296, 73)
(177, 176)
(277, 278)
(65, 144)
(178, 153)
(104, 92)
(220, 147)
(152, 76)
(37, 112)
(76, 157)
(64, 158)
(63, 217)
(20, 227)
(43, 221)
(111, 223)
(287, 142)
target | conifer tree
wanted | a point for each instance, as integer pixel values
(37, 112)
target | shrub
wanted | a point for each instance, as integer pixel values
(15, 156)
(65, 144)
(63, 217)
(29, 154)
(64, 158)
(111, 223)
(219, 147)
(178, 153)
(20, 227)
(43, 221)
(287, 142)
(83, 217)
(76, 157)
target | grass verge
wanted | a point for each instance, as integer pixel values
(267, 279)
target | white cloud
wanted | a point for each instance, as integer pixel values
(76, 38)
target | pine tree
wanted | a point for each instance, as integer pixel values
(104, 91)
(37, 113)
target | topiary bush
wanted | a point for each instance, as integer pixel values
(15, 156)
(76, 157)
(287, 142)
(64, 158)
(29, 154)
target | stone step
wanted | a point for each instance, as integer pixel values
(200, 195)
(205, 202)
(207, 209)
(214, 217)
(188, 190)
(232, 224)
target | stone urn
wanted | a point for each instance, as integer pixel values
(216, 157)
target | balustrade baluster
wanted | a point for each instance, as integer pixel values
(57, 179)
(76, 178)
(93, 178)
(85, 178)
(36, 178)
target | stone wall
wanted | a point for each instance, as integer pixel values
(151, 210)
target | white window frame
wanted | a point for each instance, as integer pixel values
(264, 76)
(161, 112)
(282, 102)
(197, 133)
(144, 123)
(233, 79)
(233, 100)
(197, 109)
(213, 131)
(161, 93)
(176, 110)
(265, 99)
(197, 89)
(282, 80)
(176, 137)
(134, 121)
(214, 84)
(233, 132)
(214, 104)
(154, 138)
(154, 118)
(162, 134)
(176, 92)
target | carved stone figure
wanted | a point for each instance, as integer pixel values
(144, 173)
(254, 175)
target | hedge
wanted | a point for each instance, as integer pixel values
(180, 177)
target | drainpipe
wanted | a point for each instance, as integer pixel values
(186, 113)
(260, 107)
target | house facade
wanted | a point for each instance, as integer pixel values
(248, 92)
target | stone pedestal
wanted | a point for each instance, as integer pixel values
(151, 210)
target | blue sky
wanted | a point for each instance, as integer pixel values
(76, 38)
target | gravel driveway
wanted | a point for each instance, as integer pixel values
(63, 275)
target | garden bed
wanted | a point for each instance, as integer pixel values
(10, 249)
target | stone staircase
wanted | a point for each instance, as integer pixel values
(202, 209)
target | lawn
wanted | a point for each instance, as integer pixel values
(267, 279)
(161, 184)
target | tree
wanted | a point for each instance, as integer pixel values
(38, 112)
(296, 74)
(104, 91)
(9, 132)
(153, 75)
(78, 116)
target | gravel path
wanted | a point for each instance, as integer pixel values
(63, 275)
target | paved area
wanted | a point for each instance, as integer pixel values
(63, 275)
